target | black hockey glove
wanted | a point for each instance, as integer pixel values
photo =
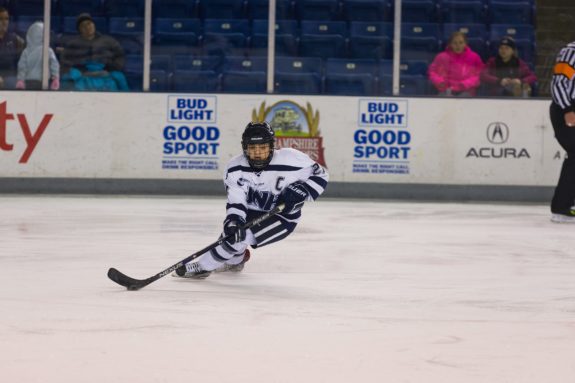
(234, 227)
(294, 196)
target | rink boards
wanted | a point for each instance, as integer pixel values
(360, 140)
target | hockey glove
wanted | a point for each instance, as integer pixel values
(294, 196)
(234, 228)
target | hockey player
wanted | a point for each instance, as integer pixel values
(257, 181)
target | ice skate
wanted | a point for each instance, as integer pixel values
(564, 217)
(234, 268)
(195, 273)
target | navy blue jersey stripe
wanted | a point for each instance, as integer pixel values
(314, 194)
(318, 180)
(279, 168)
(238, 206)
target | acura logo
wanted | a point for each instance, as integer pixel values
(497, 133)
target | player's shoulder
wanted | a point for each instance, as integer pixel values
(291, 156)
(237, 163)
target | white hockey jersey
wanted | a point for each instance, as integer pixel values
(253, 190)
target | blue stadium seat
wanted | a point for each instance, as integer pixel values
(174, 9)
(227, 36)
(350, 77)
(297, 83)
(512, 12)
(129, 31)
(420, 41)
(299, 65)
(309, 27)
(419, 11)
(323, 38)
(244, 82)
(413, 85)
(409, 84)
(371, 40)
(322, 46)
(199, 81)
(349, 66)
(30, 7)
(159, 80)
(197, 63)
(463, 11)
(245, 64)
(23, 22)
(517, 31)
(259, 9)
(471, 30)
(124, 8)
(413, 68)
(176, 35)
(285, 43)
(298, 75)
(75, 7)
(126, 26)
(352, 84)
(367, 10)
(317, 9)
(221, 9)
(161, 62)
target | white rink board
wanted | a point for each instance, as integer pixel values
(117, 135)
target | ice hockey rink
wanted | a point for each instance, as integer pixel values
(363, 291)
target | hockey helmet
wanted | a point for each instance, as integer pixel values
(258, 133)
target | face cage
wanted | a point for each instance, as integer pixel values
(259, 164)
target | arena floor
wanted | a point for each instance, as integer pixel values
(363, 291)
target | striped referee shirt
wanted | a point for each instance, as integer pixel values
(563, 81)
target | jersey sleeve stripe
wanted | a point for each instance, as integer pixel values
(236, 206)
(319, 180)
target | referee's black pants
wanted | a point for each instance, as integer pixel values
(564, 197)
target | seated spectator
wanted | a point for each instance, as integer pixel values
(456, 71)
(11, 46)
(91, 60)
(506, 74)
(30, 65)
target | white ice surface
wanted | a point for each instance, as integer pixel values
(361, 292)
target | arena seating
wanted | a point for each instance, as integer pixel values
(339, 37)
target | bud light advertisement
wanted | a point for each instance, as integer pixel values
(191, 138)
(382, 141)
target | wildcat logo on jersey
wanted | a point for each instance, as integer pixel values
(295, 127)
(262, 199)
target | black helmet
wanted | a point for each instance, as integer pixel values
(258, 133)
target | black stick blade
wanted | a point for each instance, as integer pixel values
(123, 280)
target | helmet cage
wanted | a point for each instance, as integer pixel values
(258, 133)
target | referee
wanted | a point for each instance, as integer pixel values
(562, 113)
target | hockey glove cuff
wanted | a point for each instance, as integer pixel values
(234, 228)
(294, 196)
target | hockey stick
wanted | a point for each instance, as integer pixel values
(136, 284)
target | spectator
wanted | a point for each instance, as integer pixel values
(11, 46)
(91, 60)
(30, 65)
(506, 74)
(456, 71)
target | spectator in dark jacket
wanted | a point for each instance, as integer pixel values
(506, 74)
(11, 46)
(92, 59)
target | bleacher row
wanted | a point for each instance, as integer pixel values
(349, 30)
(293, 75)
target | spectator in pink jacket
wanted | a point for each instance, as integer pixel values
(506, 74)
(456, 71)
